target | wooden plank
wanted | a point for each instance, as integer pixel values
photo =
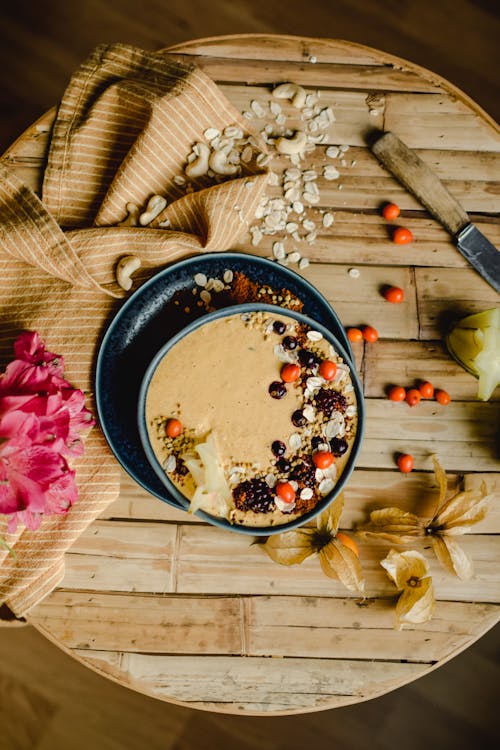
(256, 626)
(152, 624)
(446, 295)
(408, 362)
(329, 75)
(266, 684)
(283, 48)
(357, 301)
(212, 561)
(365, 491)
(328, 628)
(462, 434)
(358, 239)
(438, 120)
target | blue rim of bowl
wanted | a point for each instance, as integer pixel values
(172, 489)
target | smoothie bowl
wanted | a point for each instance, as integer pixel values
(252, 417)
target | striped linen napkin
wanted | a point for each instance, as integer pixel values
(122, 133)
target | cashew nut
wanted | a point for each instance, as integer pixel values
(219, 164)
(291, 91)
(125, 267)
(199, 166)
(155, 206)
(132, 219)
(293, 145)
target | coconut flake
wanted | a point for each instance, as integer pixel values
(282, 506)
(314, 382)
(309, 413)
(284, 355)
(270, 480)
(314, 335)
(170, 463)
(326, 486)
(295, 441)
(306, 493)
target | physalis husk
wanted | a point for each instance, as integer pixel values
(409, 573)
(336, 559)
(452, 517)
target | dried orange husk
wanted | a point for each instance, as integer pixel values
(290, 547)
(340, 562)
(394, 525)
(461, 511)
(416, 604)
(403, 566)
(329, 520)
(409, 572)
(441, 479)
(452, 557)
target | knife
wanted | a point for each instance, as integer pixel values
(419, 179)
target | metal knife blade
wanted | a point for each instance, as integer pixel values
(480, 253)
(419, 179)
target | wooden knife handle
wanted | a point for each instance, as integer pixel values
(416, 176)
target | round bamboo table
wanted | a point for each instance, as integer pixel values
(185, 612)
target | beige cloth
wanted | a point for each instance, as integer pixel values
(123, 130)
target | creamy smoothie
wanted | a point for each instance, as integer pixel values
(252, 417)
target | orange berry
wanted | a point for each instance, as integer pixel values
(391, 211)
(397, 393)
(285, 491)
(323, 459)
(289, 373)
(354, 334)
(442, 397)
(394, 294)
(173, 428)
(327, 369)
(413, 397)
(426, 389)
(347, 541)
(370, 334)
(402, 236)
(405, 463)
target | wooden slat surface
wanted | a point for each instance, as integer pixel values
(188, 613)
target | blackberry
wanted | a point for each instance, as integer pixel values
(279, 327)
(278, 448)
(304, 473)
(338, 446)
(253, 494)
(290, 342)
(328, 400)
(298, 418)
(277, 389)
(283, 464)
(307, 358)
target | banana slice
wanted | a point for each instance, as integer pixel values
(208, 475)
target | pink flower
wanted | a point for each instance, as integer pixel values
(41, 421)
(26, 473)
(34, 370)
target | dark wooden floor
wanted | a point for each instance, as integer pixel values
(47, 700)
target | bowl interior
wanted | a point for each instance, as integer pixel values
(171, 487)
